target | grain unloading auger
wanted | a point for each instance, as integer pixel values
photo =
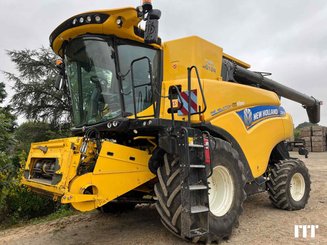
(179, 123)
(234, 72)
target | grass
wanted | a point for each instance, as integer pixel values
(61, 213)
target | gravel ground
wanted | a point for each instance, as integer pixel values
(259, 224)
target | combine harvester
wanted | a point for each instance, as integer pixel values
(179, 123)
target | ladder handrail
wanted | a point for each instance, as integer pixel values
(194, 183)
(189, 81)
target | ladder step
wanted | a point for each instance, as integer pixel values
(197, 187)
(197, 166)
(198, 232)
(195, 145)
(199, 209)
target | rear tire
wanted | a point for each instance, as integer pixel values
(222, 218)
(289, 185)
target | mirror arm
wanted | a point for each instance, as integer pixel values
(60, 82)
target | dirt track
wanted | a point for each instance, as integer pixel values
(259, 224)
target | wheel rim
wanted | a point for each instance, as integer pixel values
(221, 191)
(297, 186)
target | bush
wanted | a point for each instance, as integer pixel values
(16, 202)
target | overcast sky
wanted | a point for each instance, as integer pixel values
(286, 38)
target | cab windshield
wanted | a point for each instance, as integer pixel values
(99, 90)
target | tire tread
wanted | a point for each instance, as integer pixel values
(277, 185)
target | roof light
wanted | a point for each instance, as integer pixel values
(119, 21)
(77, 21)
(59, 62)
(97, 18)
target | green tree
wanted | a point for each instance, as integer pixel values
(35, 96)
(7, 123)
(16, 202)
(7, 169)
(29, 132)
(3, 93)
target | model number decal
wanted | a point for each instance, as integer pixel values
(227, 107)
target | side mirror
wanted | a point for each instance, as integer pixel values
(142, 89)
(152, 26)
(141, 72)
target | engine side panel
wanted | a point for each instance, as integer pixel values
(253, 116)
(256, 142)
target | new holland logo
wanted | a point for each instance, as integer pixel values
(252, 116)
(247, 117)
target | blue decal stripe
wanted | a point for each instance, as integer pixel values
(254, 115)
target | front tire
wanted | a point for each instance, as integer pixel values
(225, 207)
(289, 185)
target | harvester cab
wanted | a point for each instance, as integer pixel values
(112, 69)
(179, 123)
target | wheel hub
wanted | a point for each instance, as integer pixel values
(297, 186)
(221, 193)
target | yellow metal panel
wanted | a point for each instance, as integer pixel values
(115, 158)
(237, 61)
(257, 142)
(186, 52)
(118, 170)
(145, 114)
(37, 186)
(109, 27)
(68, 159)
(223, 97)
(288, 126)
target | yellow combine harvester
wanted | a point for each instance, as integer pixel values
(179, 123)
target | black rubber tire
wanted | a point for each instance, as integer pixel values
(167, 191)
(117, 207)
(278, 185)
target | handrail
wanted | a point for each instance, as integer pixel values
(189, 81)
